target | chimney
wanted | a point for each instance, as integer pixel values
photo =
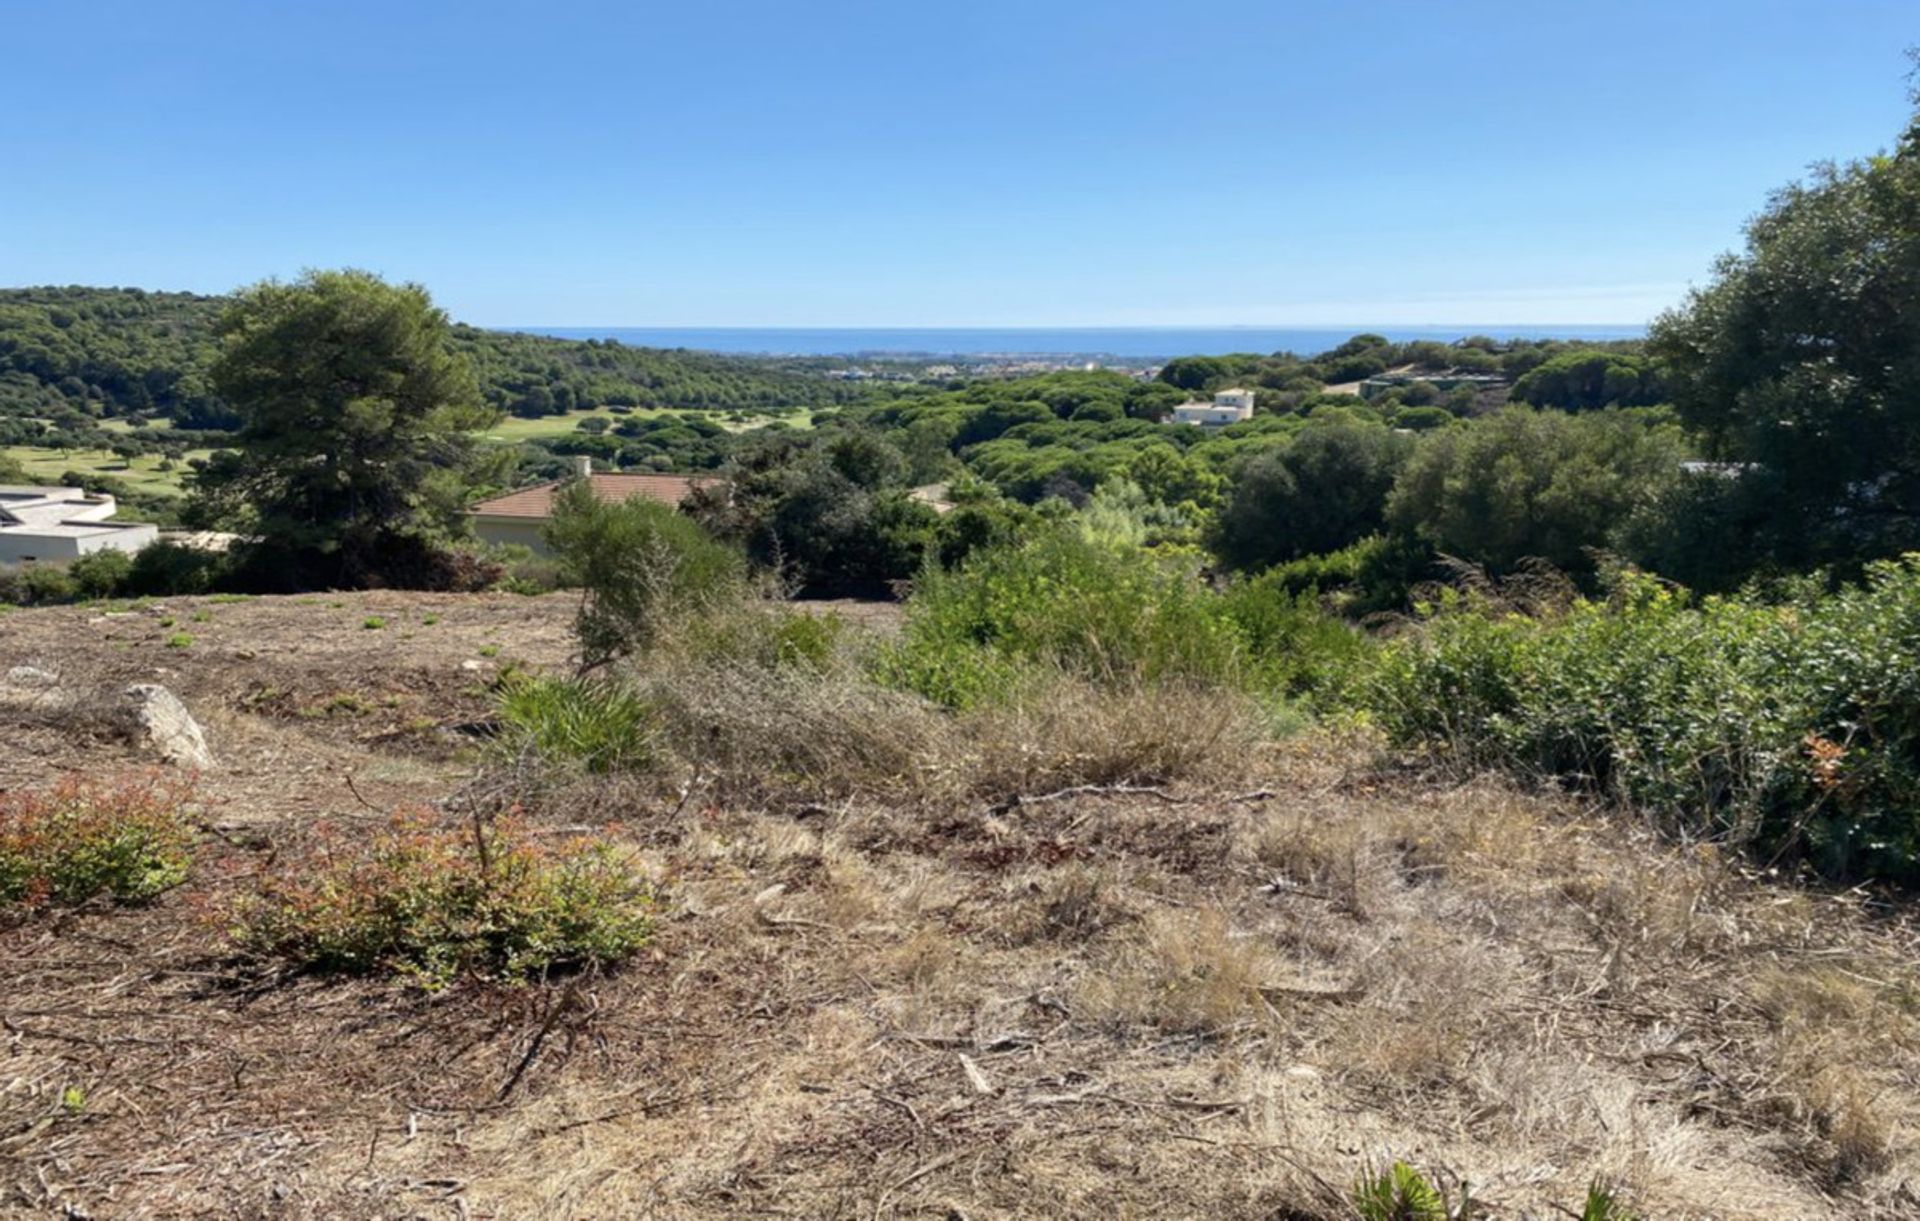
(582, 466)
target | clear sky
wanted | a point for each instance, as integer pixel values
(932, 162)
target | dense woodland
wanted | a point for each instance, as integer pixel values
(73, 356)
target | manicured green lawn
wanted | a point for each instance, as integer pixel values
(514, 428)
(142, 473)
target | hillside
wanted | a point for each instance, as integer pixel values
(73, 354)
(1093, 957)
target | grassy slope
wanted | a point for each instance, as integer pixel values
(143, 472)
(516, 428)
(1219, 1001)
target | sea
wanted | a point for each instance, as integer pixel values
(1092, 343)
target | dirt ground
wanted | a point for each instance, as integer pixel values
(1189, 999)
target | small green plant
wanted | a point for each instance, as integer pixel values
(73, 1100)
(224, 599)
(1398, 1193)
(168, 621)
(489, 650)
(130, 839)
(373, 623)
(429, 620)
(602, 723)
(1603, 1203)
(180, 640)
(201, 616)
(433, 902)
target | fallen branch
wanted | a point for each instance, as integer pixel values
(1088, 790)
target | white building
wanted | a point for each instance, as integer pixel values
(1227, 407)
(58, 524)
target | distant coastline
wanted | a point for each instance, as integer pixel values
(1092, 343)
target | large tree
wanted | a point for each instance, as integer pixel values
(1525, 484)
(1801, 359)
(1321, 492)
(356, 420)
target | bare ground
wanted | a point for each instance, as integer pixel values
(1210, 999)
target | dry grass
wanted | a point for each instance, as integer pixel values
(1218, 982)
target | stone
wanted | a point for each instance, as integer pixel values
(158, 722)
(31, 676)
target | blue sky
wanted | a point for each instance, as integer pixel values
(926, 163)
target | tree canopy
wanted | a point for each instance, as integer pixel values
(1802, 359)
(352, 408)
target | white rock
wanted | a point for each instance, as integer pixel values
(474, 665)
(31, 676)
(159, 722)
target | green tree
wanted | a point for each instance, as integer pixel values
(638, 565)
(1802, 358)
(355, 421)
(1324, 491)
(1522, 484)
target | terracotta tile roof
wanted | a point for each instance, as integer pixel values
(537, 501)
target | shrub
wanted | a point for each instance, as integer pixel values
(434, 902)
(601, 723)
(101, 574)
(1326, 490)
(1295, 647)
(131, 839)
(1399, 1193)
(37, 585)
(373, 623)
(768, 635)
(639, 565)
(180, 640)
(1532, 484)
(165, 569)
(1375, 574)
(1061, 602)
(1794, 727)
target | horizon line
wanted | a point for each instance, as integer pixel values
(1352, 327)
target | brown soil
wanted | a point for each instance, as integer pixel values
(1219, 1000)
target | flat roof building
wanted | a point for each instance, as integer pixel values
(57, 524)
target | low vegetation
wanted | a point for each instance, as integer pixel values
(436, 902)
(129, 840)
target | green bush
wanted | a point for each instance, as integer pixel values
(766, 636)
(601, 723)
(1295, 648)
(1523, 484)
(640, 566)
(1794, 727)
(435, 902)
(165, 569)
(131, 839)
(37, 585)
(1060, 602)
(1373, 575)
(101, 574)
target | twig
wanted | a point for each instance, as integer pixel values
(354, 789)
(553, 1016)
(1087, 790)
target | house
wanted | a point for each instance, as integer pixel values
(1227, 407)
(57, 524)
(518, 517)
